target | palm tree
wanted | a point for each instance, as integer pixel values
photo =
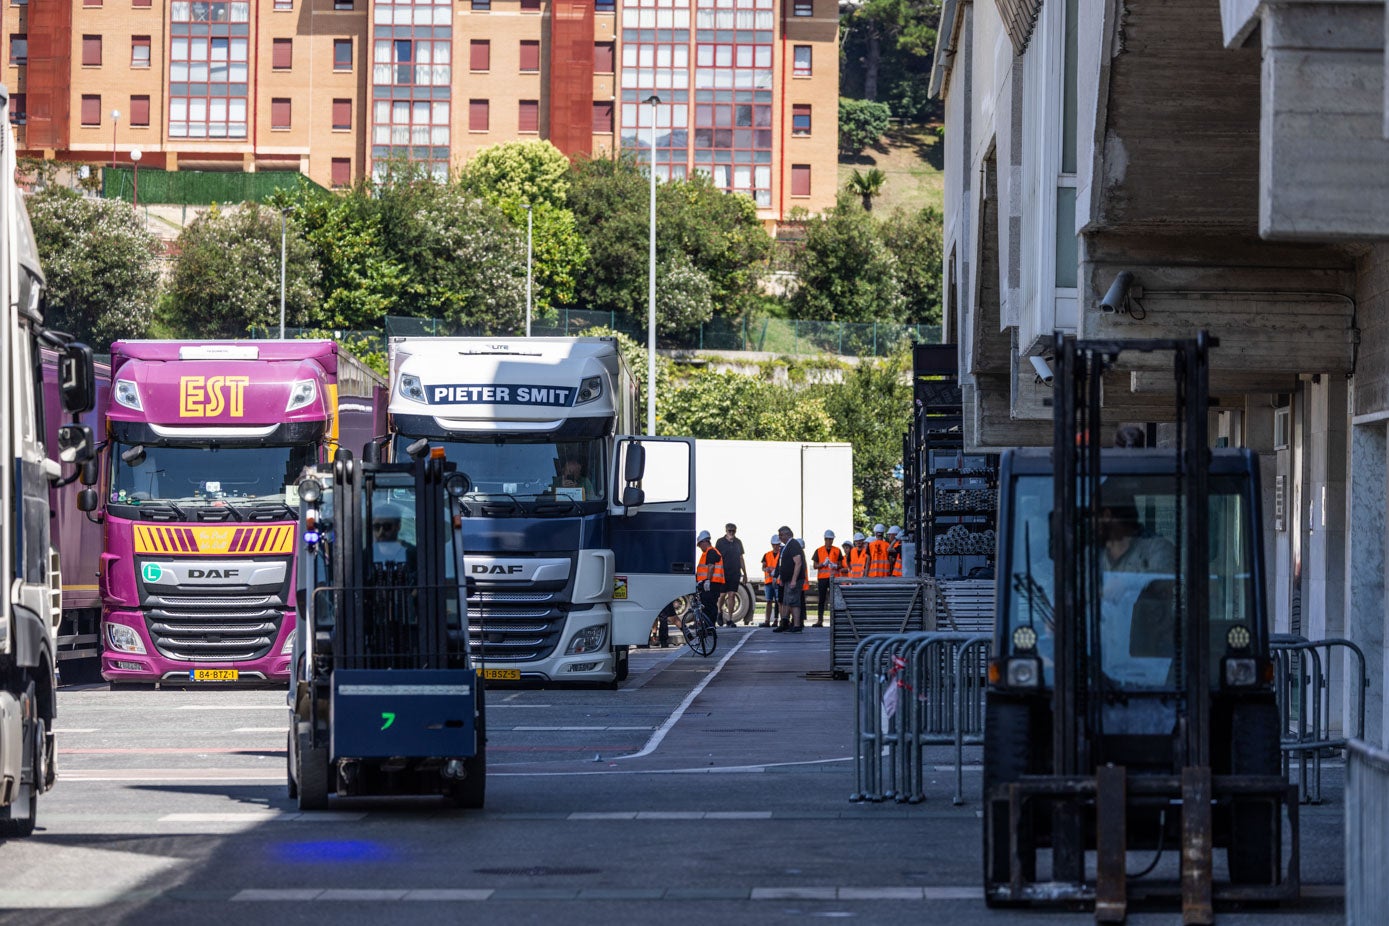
(867, 185)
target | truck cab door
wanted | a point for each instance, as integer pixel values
(653, 533)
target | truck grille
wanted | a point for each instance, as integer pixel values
(502, 633)
(214, 630)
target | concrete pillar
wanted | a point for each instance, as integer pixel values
(1258, 437)
(1324, 565)
(1366, 616)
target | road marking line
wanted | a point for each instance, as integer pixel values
(257, 893)
(449, 894)
(670, 815)
(953, 893)
(793, 893)
(361, 894)
(599, 815)
(65, 730)
(880, 893)
(684, 705)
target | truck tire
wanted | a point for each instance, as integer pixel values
(17, 827)
(313, 774)
(1255, 846)
(1008, 755)
(742, 610)
(289, 767)
(471, 792)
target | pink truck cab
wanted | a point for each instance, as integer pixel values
(206, 441)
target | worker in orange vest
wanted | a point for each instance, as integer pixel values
(827, 560)
(878, 567)
(708, 576)
(894, 551)
(769, 579)
(858, 558)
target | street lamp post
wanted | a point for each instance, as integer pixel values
(135, 155)
(283, 213)
(115, 118)
(529, 216)
(651, 287)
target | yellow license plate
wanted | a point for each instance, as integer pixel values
(213, 675)
(502, 675)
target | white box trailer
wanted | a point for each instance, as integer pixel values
(761, 485)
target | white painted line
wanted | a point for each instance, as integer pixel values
(449, 894)
(738, 815)
(880, 893)
(953, 893)
(277, 894)
(322, 816)
(670, 815)
(793, 893)
(630, 729)
(616, 815)
(684, 705)
(360, 895)
(257, 816)
(61, 731)
(510, 704)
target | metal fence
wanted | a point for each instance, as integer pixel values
(197, 187)
(1302, 685)
(912, 691)
(1367, 838)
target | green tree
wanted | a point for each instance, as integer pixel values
(866, 185)
(226, 277)
(915, 239)
(730, 406)
(524, 171)
(891, 37)
(861, 123)
(100, 263)
(559, 254)
(844, 270)
(871, 409)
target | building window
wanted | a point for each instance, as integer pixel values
(139, 51)
(19, 47)
(19, 114)
(342, 54)
(91, 109)
(209, 66)
(800, 179)
(481, 6)
(603, 118)
(342, 172)
(141, 4)
(603, 57)
(140, 110)
(528, 116)
(282, 54)
(801, 58)
(284, 4)
(342, 115)
(91, 2)
(530, 55)
(800, 119)
(344, 5)
(479, 55)
(604, 6)
(803, 7)
(530, 6)
(279, 113)
(91, 51)
(477, 116)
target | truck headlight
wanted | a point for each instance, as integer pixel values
(1241, 672)
(411, 388)
(289, 644)
(303, 392)
(125, 393)
(1024, 672)
(124, 639)
(588, 640)
(590, 389)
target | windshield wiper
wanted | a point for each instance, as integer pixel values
(152, 510)
(493, 504)
(554, 504)
(264, 511)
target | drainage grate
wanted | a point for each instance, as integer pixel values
(537, 871)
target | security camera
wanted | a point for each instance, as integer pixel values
(1043, 370)
(1116, 298)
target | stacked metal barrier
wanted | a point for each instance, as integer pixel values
(864, 607)
(1301, 684)
(912, 691)
(1367, 839)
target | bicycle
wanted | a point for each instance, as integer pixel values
(701, 638)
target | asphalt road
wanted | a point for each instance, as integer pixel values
(703, 790)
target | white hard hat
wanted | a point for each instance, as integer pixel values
(878, 528)
(829, 534)
(703, 536)
(858, 536)
(894, 529)
(776, 539)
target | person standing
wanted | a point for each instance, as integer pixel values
(731, 549)
(843, 572)
(827, 560)
(769, 580)
(790, 574)
(894, 551)
(708, 575)
(877, 554)
(858, 558)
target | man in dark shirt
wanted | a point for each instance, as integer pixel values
(731, 549)
(791, 572)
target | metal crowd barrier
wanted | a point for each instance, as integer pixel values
(1367, 838)
(915, 690)
(1304, 704)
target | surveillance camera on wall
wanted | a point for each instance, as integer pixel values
(1116, 298)
(1043, 370)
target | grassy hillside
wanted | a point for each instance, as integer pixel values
(912, 158)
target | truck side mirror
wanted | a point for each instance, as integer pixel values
(134, 456)
(75, 444)
(89, 475)
(634, 467)
(632, 496)
(77, 378)
(371, 452)
(87, 500)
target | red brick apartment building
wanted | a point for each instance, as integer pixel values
(747, 89)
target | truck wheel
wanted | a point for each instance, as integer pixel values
(1008, 755)
(1255, 847)
(620, 663)
(17, 827)
(289, 767)
(743, 604)
(313, 774)
(471, 792)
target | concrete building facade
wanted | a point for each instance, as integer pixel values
(747, 90)
(1233, 155)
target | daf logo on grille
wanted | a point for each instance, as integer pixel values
(495, 570)
(213, 573)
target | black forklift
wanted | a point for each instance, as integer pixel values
(1130, 721)
(384, 698)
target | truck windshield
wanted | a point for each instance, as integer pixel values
(1138, 530)
(207, 476)
(539, 475)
